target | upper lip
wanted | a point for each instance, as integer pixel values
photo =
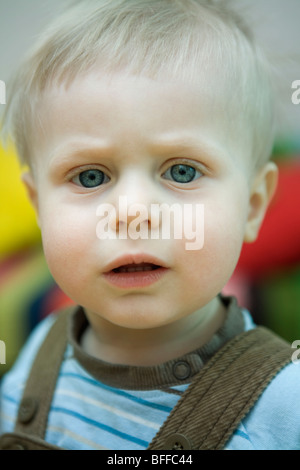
(134, 259)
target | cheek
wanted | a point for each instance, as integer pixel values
(210, 267)
(224, 236)
(69, 237)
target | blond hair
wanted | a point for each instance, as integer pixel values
(182, 39)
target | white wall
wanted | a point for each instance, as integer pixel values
(276, 22)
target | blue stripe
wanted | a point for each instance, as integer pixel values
(163, 408)
(101, 426)
(12, 400)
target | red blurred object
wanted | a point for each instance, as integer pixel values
(278, 244)
(55, 300)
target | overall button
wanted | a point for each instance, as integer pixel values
(182, 370)
(177, 441)
(27, 410)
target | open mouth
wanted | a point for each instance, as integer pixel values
(134, 268)
(134, 272)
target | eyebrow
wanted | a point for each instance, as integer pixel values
(79, 151)
(187, 144)
(169, 146)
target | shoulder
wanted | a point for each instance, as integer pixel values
(13, 382)
(274, 421)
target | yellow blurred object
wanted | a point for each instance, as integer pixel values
(18, 224)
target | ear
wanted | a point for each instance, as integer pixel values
(30, 184)
(262, 191)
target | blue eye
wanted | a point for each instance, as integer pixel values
(182, 173)
(90, 178)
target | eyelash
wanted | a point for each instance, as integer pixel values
(105, 178)
(75, 178)
(187, 164)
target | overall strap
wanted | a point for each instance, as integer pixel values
(33, 411)
(205, 417)
(223, 392)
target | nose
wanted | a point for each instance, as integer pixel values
(135, 199)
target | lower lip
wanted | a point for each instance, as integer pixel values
(135, 279)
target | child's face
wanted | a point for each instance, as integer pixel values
(105, 138)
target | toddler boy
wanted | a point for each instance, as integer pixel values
(143, 106)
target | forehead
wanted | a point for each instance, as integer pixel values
(123, 107)
(97, 99)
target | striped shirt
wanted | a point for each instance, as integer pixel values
(92, 409)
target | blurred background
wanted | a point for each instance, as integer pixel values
(267, 278)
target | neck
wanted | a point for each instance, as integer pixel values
(149, 347)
